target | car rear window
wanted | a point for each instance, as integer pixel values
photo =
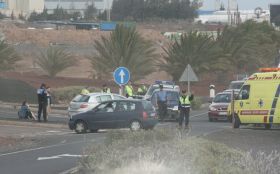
(147, 106)
(81, 98)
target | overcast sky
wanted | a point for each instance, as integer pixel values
(243, 4)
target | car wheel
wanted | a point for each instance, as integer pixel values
(80, 127)
(267, 126)
(236, 122)
(94, 130)
(210, 119)
(135, 125)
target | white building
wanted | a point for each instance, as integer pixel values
(224, 17)
(24, 7)
(77, 5)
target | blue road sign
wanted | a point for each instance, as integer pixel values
(121, 75)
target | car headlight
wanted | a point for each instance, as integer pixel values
(211, 108)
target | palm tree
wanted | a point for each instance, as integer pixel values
(194, 48)
(8, 57)
(124, 47)
(55, 60)
(248, 46)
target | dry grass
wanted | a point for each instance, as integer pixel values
(165, 152)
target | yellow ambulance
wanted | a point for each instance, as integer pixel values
(257, 101)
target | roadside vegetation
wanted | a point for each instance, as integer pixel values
(166, 151)
(241, 49)
(124, 47)
(55, 60)
(8, 57)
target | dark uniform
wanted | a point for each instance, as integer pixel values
(162, 103)
(184, 107)
(42, 102)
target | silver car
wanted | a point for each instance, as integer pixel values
(82, 103)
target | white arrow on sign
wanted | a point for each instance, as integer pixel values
(122, 74)
(60, 156)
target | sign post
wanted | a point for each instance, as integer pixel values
(188, 76)
(121, 76)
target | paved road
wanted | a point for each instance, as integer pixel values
(60, 149)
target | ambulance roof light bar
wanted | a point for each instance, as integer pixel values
(269, 69)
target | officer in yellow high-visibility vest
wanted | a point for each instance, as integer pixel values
(128, 90)
(184, 107)
(142, 89)
(105, 89)
(85, 91)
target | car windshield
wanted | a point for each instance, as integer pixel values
(235, 85)
(171, 96)
(155, 87)
(222, 98)
(81, 98)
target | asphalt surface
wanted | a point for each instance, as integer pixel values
(57, 149)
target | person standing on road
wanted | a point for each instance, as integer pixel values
(161, 98)
(184, 107)
(128, 90)
(49, 98)
(142, 89)
(85, 91)
(42, 102)
(105, 89)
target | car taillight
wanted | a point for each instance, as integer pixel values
(84, 105)
(145, 115)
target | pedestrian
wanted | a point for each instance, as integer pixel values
(161, 100)
(85, 91)
(42, 102)
(142, 89)
(49, 98)
(184, 107)
(105, 89)
(25, 112)
(129, 90)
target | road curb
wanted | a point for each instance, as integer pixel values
(33, 123)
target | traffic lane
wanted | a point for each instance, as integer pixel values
(26, 161)
(249, 139)
(52, 118)
(200, 125)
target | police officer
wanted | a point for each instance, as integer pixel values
(128, 90)
(42, 102)
(184, 107)
(85, 91)
(161, 98)
(142, 89)
(105, 89)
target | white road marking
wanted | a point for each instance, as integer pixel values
(198, 115)
(72, 170)
(40, 148)
(60, 156)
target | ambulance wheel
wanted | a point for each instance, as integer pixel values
(236, 122)
(267, 126)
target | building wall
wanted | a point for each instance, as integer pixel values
(25, 7)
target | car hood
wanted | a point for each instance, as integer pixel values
(219, 105)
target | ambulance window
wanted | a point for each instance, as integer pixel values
(245, 92)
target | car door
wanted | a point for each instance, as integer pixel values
(243, 105)
(103, 116)
(125, 113)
